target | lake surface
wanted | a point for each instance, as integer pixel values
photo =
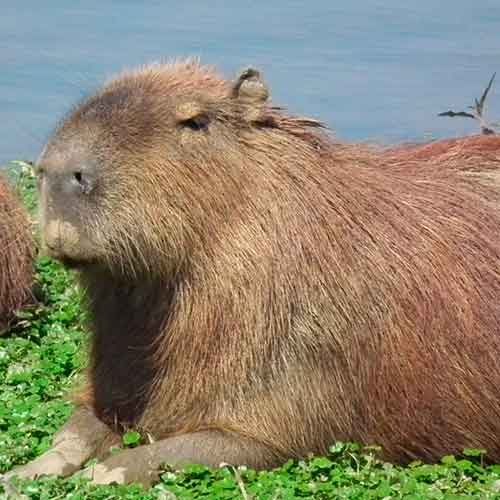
(371, 69)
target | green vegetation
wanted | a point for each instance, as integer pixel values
(43, 356)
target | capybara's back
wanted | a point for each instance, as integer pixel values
(246, 273)
(16, 257)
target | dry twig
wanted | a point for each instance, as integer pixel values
(477, 112)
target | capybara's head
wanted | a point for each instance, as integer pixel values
(130, 173)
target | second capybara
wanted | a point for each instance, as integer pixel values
(259, 289)
(16, 256)
(476, 153)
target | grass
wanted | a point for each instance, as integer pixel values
(43, 355)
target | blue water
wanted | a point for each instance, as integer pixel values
(371, 69)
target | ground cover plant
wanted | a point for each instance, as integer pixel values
(42, 357)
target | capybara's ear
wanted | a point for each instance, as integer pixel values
(192, 115)
(250, 87)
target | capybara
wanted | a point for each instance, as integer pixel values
(473, 153)
(16, 256)
(477, 155)
(259, 289)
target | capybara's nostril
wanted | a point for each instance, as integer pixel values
(81, 183)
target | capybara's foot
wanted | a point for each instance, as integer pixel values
(210, 448)
(59, 461)
(77, 442)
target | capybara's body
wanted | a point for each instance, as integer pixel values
(247, 273)
(16, 256)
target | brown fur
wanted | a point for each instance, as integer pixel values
(16, 257)
(246, 272)
(474, 153)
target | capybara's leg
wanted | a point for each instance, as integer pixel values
(77, 442)
(210, 448)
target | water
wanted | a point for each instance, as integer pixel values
(371, 69)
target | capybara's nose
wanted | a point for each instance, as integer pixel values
(60, 238)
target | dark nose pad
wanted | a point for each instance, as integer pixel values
(79, 183)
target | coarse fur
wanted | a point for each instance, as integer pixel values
(16, 256)
(248, 273)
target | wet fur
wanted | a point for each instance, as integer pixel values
(262, 278)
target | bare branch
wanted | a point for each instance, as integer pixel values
(477, 111)
(485, 93)
(459, 113)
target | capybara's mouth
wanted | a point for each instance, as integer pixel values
(66, 260)
(71, 263)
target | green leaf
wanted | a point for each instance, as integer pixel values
(131, 439)
(474, 452)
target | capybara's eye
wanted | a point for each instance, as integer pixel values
(199, 122)
(78, 177)
(192, 124)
